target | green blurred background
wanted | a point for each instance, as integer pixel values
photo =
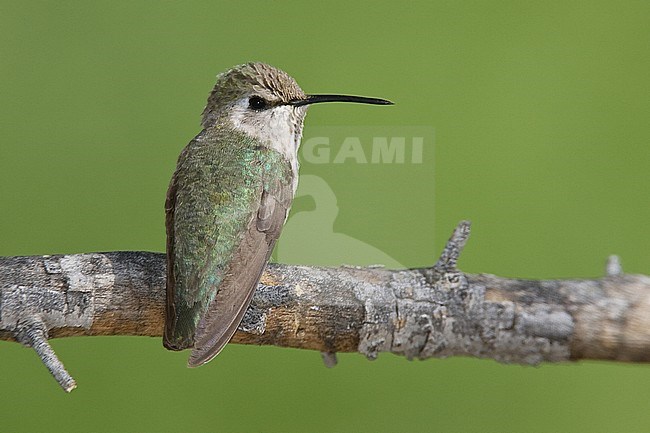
(540, 113)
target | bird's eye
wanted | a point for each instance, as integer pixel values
(257, 103)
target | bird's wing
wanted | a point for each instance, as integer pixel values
(235, 292)
(214, 191)
(226, 205)
(190, 228)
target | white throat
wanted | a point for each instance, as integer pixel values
(279, 128)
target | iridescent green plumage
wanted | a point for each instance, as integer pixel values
(216, 192)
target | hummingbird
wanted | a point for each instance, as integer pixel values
(228, 200)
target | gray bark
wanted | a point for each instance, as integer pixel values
(417, 313)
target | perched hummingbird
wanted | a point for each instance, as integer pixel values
(228, 200)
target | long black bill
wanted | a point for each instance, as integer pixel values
(316, 99)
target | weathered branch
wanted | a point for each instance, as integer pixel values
(419, 313)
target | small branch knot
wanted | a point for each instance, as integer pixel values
(27, 328)
(613, 266)
(445, 268)
(32, 332)
(450, 254)
(329, 359)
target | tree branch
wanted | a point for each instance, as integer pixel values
(418, 313)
